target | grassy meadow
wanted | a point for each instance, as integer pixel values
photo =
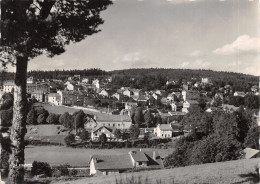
(230, 172)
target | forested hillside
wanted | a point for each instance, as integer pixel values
(156, 77)
(150, 78)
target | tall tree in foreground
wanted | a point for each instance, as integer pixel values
(30, 28)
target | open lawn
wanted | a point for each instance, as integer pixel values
(100, 116)
(231, 172)
(56, 155)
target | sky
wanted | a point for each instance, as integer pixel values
(220, 35)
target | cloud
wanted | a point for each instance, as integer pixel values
(235, 63)
(196, 53)
(132, 60)
(253, 68)
(184, 64)
(243, 44)
(202, 64)
(197, 64)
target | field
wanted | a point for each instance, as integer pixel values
(56, 155)
(101, 116)
(231, 172)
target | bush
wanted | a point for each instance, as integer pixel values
(62, 170)
(69, 139)
(41, 168)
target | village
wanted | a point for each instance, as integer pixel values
(113, 112)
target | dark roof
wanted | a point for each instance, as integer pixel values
(139, 156)
(165, 127)
(112, 162)
(154, 164)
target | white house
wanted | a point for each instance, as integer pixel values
(108, 131)
(70, 87)
(128, 93)
(239, 93)
(163, 130)
(118, 96)
(8, 86)
(30, 80)
(54, 98)
(96, 83)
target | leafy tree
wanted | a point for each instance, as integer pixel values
(139, 117)
(225, 124)
(132, 114)
(69, 139)
(118, 134)
(148, 118)
(41, 119)
(8, 101)
(134, 132)
(252, 101)
(41, 168)
(147, 136)
(31, 28)
(42, 116)
(32, 117)
(6, 117)
(252, 138)
(84, 135)
(53, 119)
(125, 135)
(102, 139)
(66, 120)
(79, 119)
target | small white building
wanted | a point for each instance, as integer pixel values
(54, 98)
(70, 87)
(128, 93)
(8, 86)
(30, 80)
(239, 93)
(96, 83)
(163, 130)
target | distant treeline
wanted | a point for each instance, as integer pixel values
(64, 74)
(157, 76)
(151, 78)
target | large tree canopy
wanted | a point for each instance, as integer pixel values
(34, 27)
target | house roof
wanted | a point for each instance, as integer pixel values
(193, 102)
(109, 128)
(9, 83)
(249, 152)
(115, 162)
(154, 163)
(37, 92)
(139, 156)
(240, 93)
(165, 127)
(112, 162)
(113, 118)
(54, 95)
(142, 98)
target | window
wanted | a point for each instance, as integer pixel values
(162, 135)
(113, 124)
(140, 163)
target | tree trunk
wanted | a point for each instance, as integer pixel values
(18, 130)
